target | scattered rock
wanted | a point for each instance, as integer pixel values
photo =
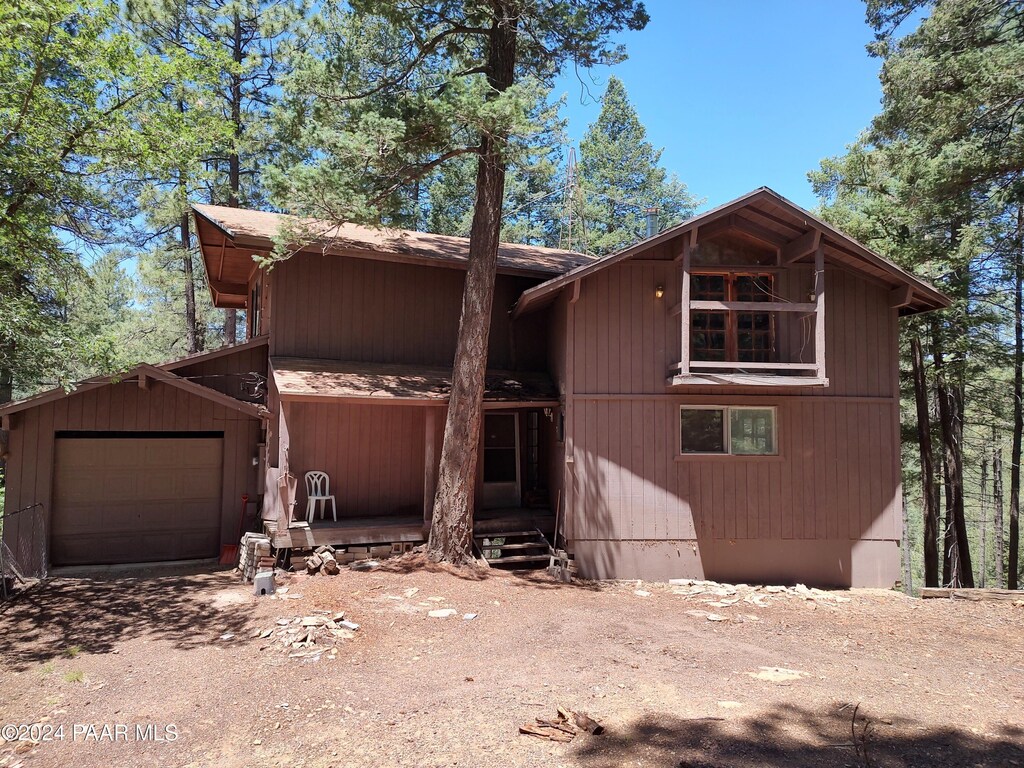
(442, 613)
(777, 674)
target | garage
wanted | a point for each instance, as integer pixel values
(138, 498)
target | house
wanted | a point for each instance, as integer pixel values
(720, 400)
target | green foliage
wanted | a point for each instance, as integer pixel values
(621, 177)
(387, 95)
(81, 130)
(936, 184)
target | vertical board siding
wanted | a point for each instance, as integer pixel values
(837, 475)
(344, 308)
(226, 373)
(631, 487)
(121, 407)
(374, 455)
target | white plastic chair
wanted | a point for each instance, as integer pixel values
(318, 488)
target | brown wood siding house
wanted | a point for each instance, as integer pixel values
(719, 401)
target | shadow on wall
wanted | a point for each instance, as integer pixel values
(796, 737)
(95, 614)
(824, 512)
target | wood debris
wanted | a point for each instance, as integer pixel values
(563, 727)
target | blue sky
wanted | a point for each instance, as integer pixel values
(743, 93)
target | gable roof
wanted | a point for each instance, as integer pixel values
(161, 372)
(229, 237)
(783, 221)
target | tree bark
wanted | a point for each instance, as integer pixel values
(451, 528)
(929, 490)
(194, 338)
(983, 538)
(960, 572)
(1018, 407)
(234, 158)
(997, 500)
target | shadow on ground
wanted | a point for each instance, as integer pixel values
(420, 563)
(792, 736)
(96, 612)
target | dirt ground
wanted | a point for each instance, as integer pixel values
(933, 683)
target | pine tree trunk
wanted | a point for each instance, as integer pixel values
(1018, 406)
(997, 501)
(451, 529)
(960, 573)
(234, 160)
(983, 539)
(193, 337)
(929, 491)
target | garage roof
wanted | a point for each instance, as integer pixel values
(162, 372)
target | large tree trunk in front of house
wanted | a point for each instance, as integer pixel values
(929, 490)
(193, 337)
(451, 529)
(1018, 405)
(960, 572)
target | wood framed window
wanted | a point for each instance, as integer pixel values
(722, 335)
(728, 430)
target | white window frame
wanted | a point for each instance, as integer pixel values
(727, 429)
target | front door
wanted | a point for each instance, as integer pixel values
(501, 460)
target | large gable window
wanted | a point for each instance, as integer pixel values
(727, 430)
(723, 334)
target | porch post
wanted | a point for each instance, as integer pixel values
(689, 242)
(819, 309)
(429, 462)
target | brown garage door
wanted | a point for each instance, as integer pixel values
(131, 500)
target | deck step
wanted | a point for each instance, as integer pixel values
(519, 559)
(521, 545)
(519, 549)
(504, 534)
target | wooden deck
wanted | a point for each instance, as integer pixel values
(354, 531)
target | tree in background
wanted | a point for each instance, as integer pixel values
(621, 177)
(938, 183)
(81, 128)
(411, 87)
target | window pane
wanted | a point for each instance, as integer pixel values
(752, 430)
(702, 430)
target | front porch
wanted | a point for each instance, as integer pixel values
(358, 531)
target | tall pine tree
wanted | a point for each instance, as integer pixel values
(621, 177)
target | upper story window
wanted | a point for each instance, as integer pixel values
(752, 307)
(724, 334)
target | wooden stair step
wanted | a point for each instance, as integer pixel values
(522, 545)
(519, 559)
(504, 534)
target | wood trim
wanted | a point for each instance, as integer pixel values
(716, 399)
(809, 242)
(684, 303)
(202, 357)
(429, 460)
(745, 380)
(250, 409)
(727, 364)
(754, 306)
(901, 297)
(819, 310)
